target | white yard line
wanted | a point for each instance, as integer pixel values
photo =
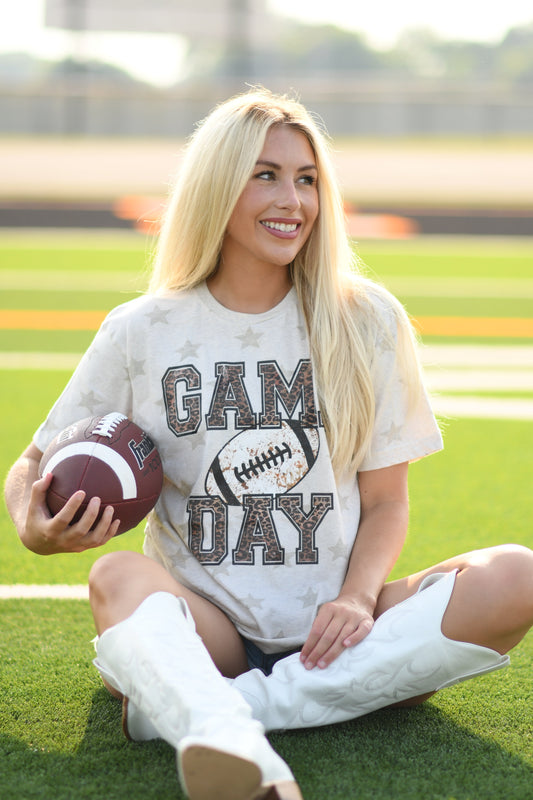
(476, 380)
(63, 281)
(482, 407)
(432, 356)
(104, 280)
(460, 287)
(34, 591)
(448, 368)
(39, 361)
(464, 355)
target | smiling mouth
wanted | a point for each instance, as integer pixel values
(283, 227)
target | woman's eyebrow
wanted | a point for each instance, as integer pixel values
(273, 164)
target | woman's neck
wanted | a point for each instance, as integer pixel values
(250, 294)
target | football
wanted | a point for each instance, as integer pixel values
(109, 457)
(263, 461)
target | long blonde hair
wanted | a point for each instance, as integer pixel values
(333, 294)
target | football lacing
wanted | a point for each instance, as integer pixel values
(262, 462)
(108, 424)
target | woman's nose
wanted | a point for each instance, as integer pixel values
(288, 195)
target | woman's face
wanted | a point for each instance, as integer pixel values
(276, 212)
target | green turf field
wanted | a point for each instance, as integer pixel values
(60, 731)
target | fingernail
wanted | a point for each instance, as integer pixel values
(309, 665)
(322, 664)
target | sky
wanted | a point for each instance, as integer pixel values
(380, 21)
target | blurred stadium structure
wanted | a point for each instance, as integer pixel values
(240, 40)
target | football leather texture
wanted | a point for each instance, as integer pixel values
(109, 457)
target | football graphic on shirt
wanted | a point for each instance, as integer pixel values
(263, 461)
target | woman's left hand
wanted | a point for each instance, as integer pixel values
(339, 624)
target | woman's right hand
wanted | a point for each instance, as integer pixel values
(46, 534)
(39, 531)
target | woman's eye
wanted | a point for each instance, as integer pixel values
(266, 175)
(309, 180)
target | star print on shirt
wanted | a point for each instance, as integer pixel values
(137, 367)
(337, 551)
(252, 602)
(249, 338)
(302, 331)
(394, 433)
(89, 400)
(189, 350)
(158, 315)
(309, 598)
(197, 441)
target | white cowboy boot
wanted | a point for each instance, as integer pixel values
(404, 655)
(155, 658)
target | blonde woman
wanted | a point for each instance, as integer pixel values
(283, 392)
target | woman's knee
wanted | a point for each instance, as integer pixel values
(108, 571)
(492, 604)
(509, 570)
(120, 581)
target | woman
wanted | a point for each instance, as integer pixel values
(284, 394)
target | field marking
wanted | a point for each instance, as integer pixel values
(28, 280)
(474, 380)
(463, 368)
(39, 361)
(434, 357)
(508, 327)
(472, 288)
(482, 407)
(60, 591)
(37, 320)
(476, 355)
(117, 281)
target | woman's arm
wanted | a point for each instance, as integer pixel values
(345, 621)
(41, 533)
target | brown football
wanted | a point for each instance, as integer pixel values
(109, 457)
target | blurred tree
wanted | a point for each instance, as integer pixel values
(515, 55)
(320, 51)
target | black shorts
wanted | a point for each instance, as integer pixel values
(263, 661)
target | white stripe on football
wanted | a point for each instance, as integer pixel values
(119, 465)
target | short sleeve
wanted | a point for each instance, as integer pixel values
(99, 385)
(402, 431)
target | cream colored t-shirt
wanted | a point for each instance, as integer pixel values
(250, 515)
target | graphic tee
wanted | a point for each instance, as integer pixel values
(250, 515)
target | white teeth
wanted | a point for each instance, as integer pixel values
(281, 226)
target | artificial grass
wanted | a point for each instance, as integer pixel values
(60, 735)
(97, 256)
(450, 257)
(59, 729)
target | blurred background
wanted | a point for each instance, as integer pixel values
(430, 108)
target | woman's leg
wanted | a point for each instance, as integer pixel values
(433, 629)
(151, 648)
(120, 581)
(492, 601)
(491, 604)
